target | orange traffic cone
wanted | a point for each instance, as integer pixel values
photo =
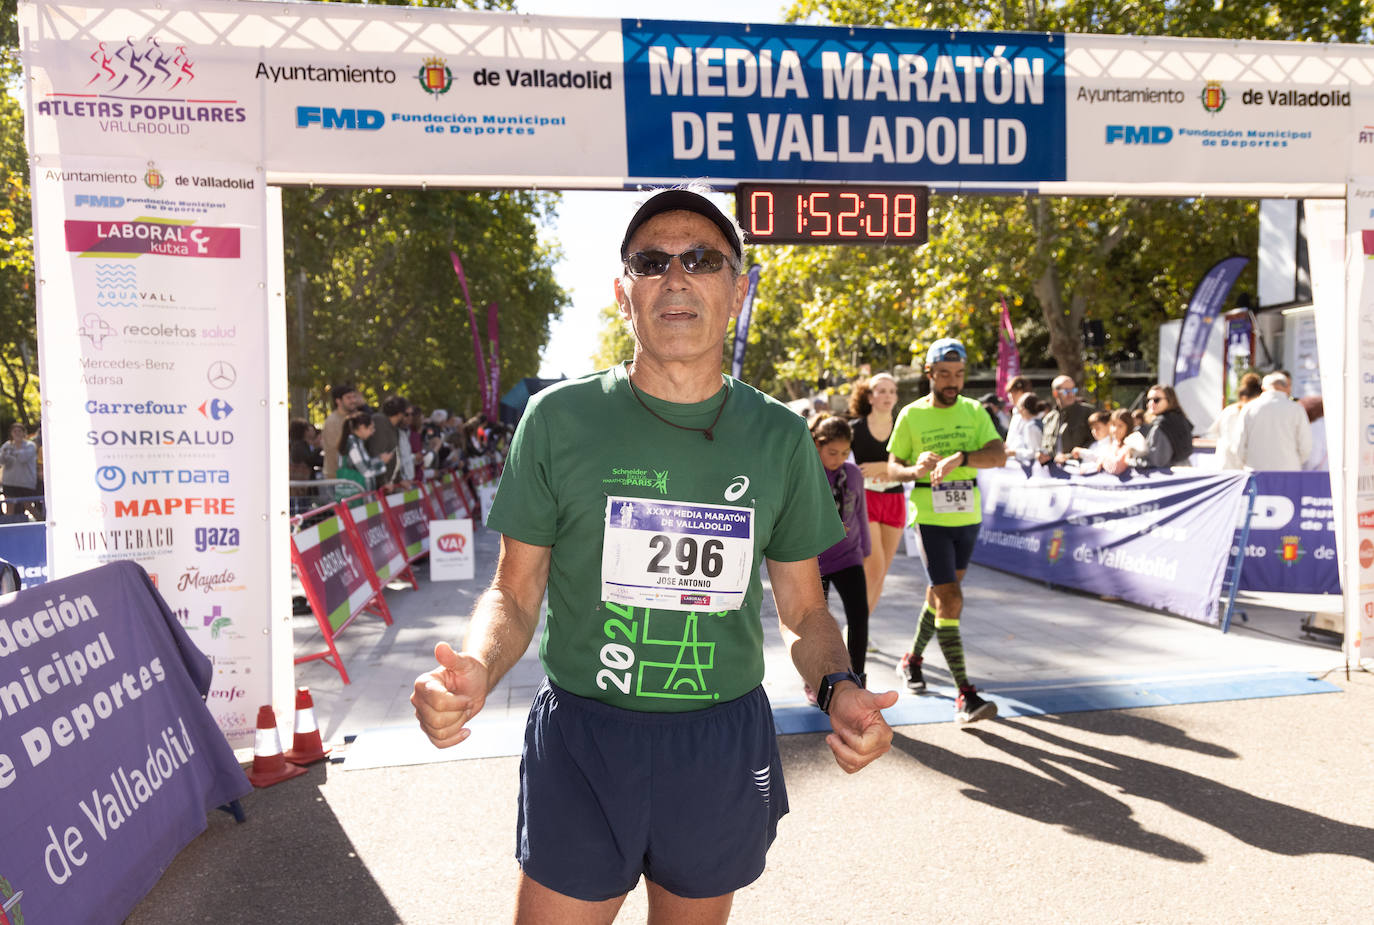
(306, 747)
(269, 765)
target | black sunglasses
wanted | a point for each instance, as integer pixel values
(655, 263)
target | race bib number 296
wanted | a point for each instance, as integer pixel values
(676, 555)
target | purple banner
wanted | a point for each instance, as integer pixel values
(1008, 357)
(1152, 538)
(1292, 541)
(1207, 300)
(476, 338)
(742, 323)
(493, 405)
(668, 517)
(109, 759)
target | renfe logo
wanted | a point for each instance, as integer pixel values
(1140, 134)
(366, 120)
(451, 542)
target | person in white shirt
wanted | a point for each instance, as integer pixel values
(1273, 432)
(1226, 428)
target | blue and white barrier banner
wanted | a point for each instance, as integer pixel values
(25, 546)
(1156, 539)
(1292, 541)
(109, 759)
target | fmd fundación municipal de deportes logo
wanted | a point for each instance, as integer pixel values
(1213, 96)
(435, 77)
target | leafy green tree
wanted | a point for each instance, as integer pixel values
(615, 343)
(372, 297)
(18, 334)
(1130, 263)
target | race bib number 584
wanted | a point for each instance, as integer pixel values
(676, 555)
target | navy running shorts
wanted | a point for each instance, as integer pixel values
(689, 800)
(946, 551)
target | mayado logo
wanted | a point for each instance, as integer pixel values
(737, 487)
(109, 478)
(1213, 96)
(435, 77)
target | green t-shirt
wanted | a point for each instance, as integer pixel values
(922, 427)
(590, 469)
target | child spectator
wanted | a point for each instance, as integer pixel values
(355, 463)
(843, 564)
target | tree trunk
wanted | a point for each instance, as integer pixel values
(1064, 323)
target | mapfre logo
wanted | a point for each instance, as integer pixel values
(451, 542)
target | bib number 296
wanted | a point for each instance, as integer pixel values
(685, 553)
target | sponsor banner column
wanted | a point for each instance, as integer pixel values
(152, 329)
(1359, 410)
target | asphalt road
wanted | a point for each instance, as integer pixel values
(1243, 811)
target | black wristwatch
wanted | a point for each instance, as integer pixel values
(827, 691)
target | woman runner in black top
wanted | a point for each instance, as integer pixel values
(871, 408)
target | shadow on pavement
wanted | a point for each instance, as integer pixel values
(289, 854)
(1266, 824)
(1053, 796)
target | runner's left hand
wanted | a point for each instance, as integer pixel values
(860, 734)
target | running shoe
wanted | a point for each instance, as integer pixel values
(970, 708)
(911, 673)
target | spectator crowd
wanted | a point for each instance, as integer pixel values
(393, 445)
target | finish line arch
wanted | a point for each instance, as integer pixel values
(157, 133)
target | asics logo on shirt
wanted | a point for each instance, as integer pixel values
(737, 487)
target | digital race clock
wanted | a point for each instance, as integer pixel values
(809, 213)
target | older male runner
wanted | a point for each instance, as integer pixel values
(645, 497)
(946, 436)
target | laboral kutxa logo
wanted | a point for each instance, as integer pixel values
(435, 77)
(1213, 96)
(161, 237)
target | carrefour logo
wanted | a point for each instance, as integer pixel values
(216, 409)
(1139, 134)
(365, 120)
